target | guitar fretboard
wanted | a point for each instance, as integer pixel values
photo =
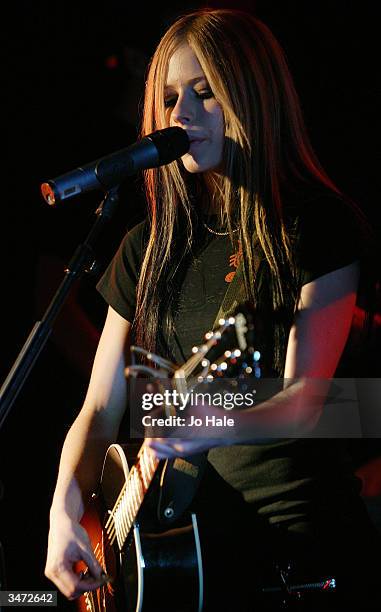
(127, 506)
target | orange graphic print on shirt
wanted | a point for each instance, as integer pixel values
(234, 262)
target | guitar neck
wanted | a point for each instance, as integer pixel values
(127, 506)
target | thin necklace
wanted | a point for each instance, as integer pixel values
(218, 233)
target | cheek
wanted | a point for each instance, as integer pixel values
(217, 121)
(219, 136)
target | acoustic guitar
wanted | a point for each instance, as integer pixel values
(154, 567)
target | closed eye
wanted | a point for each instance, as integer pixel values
(205, 94)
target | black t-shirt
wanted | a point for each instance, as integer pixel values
(285, 482)
(328, 240)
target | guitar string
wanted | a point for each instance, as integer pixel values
(122, 492)
(128, 482)
(111, 527)
(135, 481)
(99, 554)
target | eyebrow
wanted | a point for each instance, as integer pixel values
(193, 81)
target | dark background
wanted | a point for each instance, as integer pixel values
(72, 80)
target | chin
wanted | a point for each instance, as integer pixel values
(193, 166)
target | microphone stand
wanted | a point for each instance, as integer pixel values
(82, 261)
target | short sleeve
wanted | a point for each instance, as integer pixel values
(118, 283)
(329, 237)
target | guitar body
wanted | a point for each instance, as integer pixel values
(153, 570)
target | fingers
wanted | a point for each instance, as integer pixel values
(169, 448)
(71, 584)
(66, 548)
(95, 570)
(65, 579)
(161, 450)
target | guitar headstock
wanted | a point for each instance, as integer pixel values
(228, 352)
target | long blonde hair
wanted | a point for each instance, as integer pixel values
(266, 146)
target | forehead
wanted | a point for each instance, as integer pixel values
(183, 66)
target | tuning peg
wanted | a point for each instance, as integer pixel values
(200, 349)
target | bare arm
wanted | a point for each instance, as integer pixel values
(94, 429)
(315, 344)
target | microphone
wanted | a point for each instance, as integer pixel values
(156, 149)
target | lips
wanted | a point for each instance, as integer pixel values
(195, 138)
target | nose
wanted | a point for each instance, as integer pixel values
(182, 112)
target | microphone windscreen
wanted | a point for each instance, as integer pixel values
(171, 143)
